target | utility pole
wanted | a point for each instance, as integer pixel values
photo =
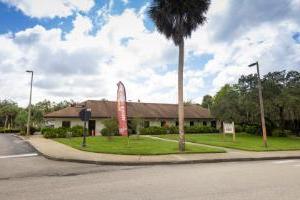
(262, 112)
(29, 106)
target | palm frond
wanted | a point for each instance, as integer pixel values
(177, 19)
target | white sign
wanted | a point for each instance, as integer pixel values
(228, 127)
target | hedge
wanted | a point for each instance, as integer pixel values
(200, 129)
(9, 130)
(62, 132)
(155, 130)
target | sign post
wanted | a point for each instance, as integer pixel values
(85, 115)
(229, 128)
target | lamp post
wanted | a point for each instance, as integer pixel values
(85, 115)
(262, 112)
(29, 106)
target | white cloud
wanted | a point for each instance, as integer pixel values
(50, 8)
(82, 66)
(81, 27)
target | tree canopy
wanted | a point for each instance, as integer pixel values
(11, 115)
(281, 95)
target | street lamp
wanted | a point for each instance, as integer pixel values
(29, 106)
(262, 113)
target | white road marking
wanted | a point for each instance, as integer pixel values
(20, 155)
(284, 161)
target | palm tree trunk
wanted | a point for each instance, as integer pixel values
(180, 97)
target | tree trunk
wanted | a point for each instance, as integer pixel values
(281, 109)
(180, 97)
(6, 121)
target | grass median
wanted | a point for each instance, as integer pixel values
(135, 146)
(243, 141)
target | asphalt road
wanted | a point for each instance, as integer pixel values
(35, 178)
(11, 145)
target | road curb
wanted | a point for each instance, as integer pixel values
(145, 163)
(168, 162)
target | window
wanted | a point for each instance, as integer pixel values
(163, 123)
(177, 123)
(204, 123)
(146, 124)
(66, 124)
(191, 123)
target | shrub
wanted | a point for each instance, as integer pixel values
(107, 132)
(9, 130)
(200, 129)
(281, 133)
(251, 129)
(23, 132)
(154, 130)
(112, 127)
(49, 133)
(77, 131)
(173, 130)
(239, 128)
(62, 132)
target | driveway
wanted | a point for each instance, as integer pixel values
(12, 146)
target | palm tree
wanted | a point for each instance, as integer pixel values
(177, 19)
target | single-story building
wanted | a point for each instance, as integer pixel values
(152, 114)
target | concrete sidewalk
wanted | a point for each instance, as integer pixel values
(57, 151)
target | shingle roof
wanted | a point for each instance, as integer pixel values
(108, 109)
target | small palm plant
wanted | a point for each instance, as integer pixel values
(177, 19)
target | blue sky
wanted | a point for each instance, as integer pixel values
(80, 49)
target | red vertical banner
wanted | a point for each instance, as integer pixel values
(122, 109)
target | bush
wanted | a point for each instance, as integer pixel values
(23, 132)
(281, 133)
(154, 130)
(200, 129)
(77, 131)
(61, 132)
(173, 130)
(111, 127)
(9, 130)
(251, 129)
(107, 132)
(49, 133)
(32, 130)
(239, 128)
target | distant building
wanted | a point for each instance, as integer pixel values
(152, 114)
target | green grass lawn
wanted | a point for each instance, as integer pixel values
(136, 146)
(243, 141)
